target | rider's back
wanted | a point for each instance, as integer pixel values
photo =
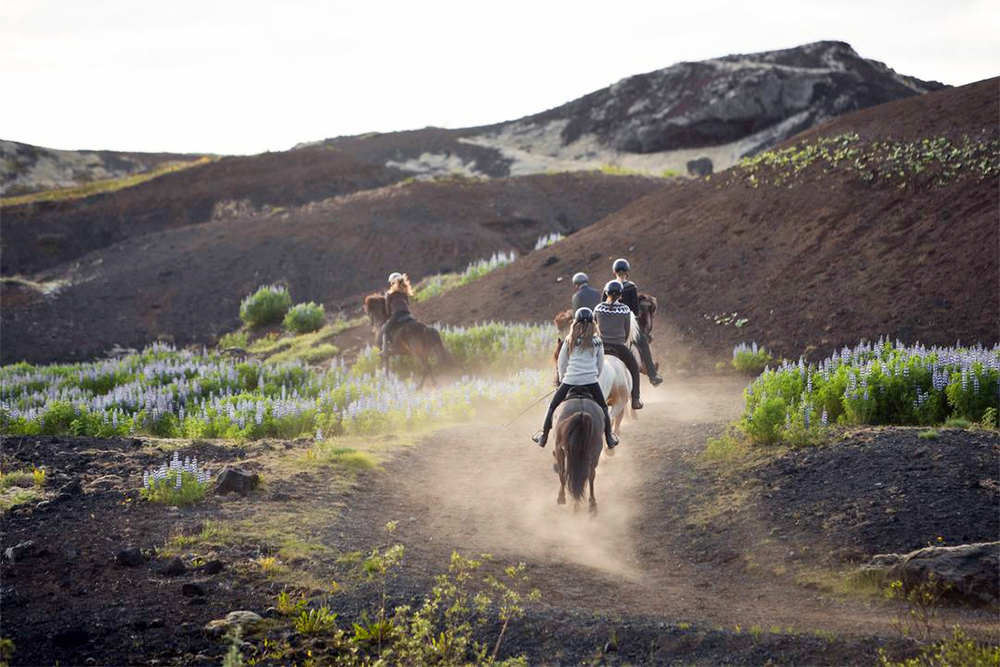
(586, 297)
(613, 321)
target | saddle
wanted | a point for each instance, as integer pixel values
(579, 391)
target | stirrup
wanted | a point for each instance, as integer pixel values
(540, 438)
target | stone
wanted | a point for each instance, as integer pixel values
(212, 567)
(70, 553)
(246, 620)
(62, 497)
(967, 573)
(236, 480)
(193, 590)
(71, 637)
(73, 488)
(20, 551)
(106, 483)
(131, 557)
(173, 568)
(700, 167)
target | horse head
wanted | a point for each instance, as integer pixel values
(647, 309)
(376, 311)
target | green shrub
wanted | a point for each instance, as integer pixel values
(238, 339)
(315, 621)
(305, 318)
(750, 358)
(267, 305)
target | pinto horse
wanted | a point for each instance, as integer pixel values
(579, 440)
(409, 337)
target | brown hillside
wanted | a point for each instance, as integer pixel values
(187, 283)
(45, 234)
(824, 262)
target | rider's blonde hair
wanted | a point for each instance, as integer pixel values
(582, 333)
(401, 284)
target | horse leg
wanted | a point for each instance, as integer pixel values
(561, 462)
(593, 500)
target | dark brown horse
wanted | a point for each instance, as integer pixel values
(410, 337)
(579, 441)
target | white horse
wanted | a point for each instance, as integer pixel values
(615, 380)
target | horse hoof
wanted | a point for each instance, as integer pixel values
(593, 509)
(561, 500)
(609, 451)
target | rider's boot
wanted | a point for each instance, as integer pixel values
(541, 438)
(656, 379)
(636, 403)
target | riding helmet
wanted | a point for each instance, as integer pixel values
(394, 276)
(580, 278)
(613, 287)
(584, 315)
(621, 264)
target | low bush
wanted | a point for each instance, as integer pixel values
(881, 383)
(176, 483)
(267, 305)
(750, 358)
(305, 318)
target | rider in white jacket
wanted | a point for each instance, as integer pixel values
(581, 360)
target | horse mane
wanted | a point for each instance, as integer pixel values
(633, 330)
(648, 302)
(563, 321)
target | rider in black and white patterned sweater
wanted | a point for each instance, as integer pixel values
(614, 323)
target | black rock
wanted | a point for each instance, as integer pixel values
(552, 259)
(700, 167)
(193, 590)
(62, 497)
(69, 638)
(71, 488)
(131, 557)
(173, 568)
(213, 567)
(236, 480)
(20, 551)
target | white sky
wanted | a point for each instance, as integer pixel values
(245, 76)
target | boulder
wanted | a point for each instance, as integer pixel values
(173, 568)
(245, 620)
(131, 557)
(700, 167)
(212, 567)
(965, 573)
(236, 480)
(20, 551)
(71, 488)
(192, 590)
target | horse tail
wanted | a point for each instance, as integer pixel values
(442, 354)
(634, 332)
(576, 436)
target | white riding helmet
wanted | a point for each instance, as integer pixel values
(394, 276)
(580, 278)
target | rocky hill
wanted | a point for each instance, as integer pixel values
(690, 117)
(25, 168)
(811, 259)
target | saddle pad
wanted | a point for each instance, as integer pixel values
(579, 391)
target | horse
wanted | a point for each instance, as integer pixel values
(410, 337)
(579, 440)
(647, 309)
(615, 380)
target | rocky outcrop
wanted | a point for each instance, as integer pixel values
(968, 572)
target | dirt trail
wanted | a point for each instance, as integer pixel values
(483, 488)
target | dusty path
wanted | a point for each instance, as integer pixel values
(483, 488)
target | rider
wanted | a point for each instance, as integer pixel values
(586, 296)
(580, 362)
(630, 297)
(614, 322)
(397, 305)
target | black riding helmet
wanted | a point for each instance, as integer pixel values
(621, 264)
(583, 315)
(613, 287)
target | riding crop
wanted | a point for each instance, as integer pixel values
(528, 408)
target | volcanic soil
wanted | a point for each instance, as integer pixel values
(682, 561)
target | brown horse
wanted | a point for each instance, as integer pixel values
(579, 441)
(410, 337)
(647, 310)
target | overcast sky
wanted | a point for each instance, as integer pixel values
(242, 76)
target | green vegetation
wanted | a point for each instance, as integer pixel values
(267, 305)
(439, 284)
(618, 170)
(304, 318)
(237, 339)
(929, 434)
(98, 187)
(958, 649)
(891, 161)
(871, 384)
(750, 358)
(315, 621)
(191, 490)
